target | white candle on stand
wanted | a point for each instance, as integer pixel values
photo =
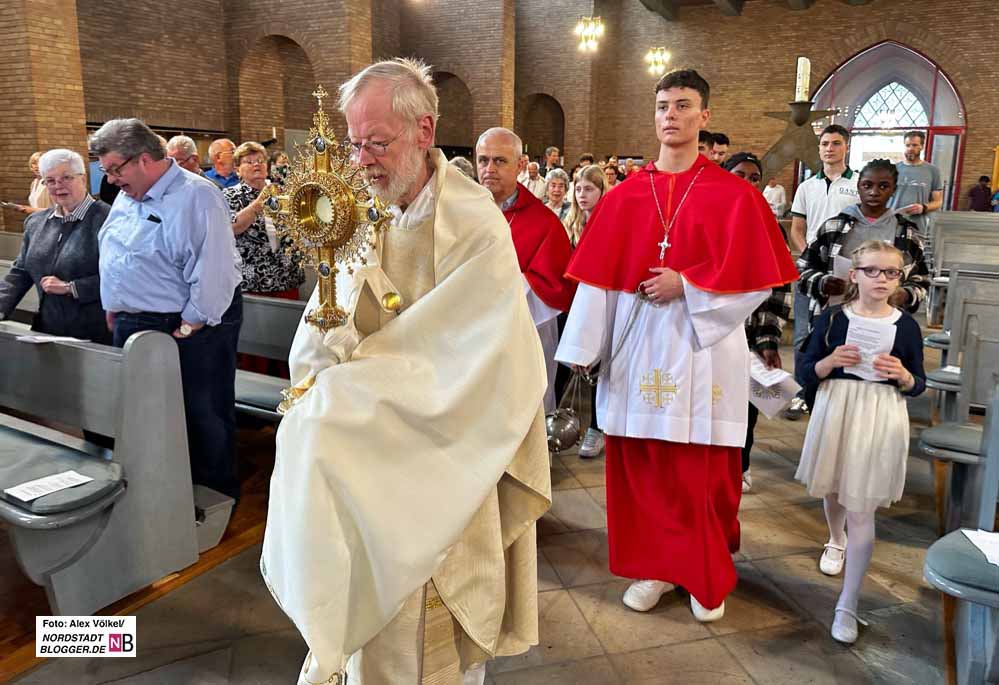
(273, 131)
(801, 81)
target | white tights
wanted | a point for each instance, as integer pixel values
(859, 547)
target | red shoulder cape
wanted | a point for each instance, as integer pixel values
(725, 238)
(543, 249)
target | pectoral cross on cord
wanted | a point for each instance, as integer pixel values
(665, 244)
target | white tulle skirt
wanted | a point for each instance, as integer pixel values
(856, 445)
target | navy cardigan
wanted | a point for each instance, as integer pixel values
(830, 332)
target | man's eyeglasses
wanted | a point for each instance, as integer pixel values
(374, 148)
(65, 179)
(115, 170)
(874, 272)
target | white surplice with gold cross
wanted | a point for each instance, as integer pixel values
(682, 373)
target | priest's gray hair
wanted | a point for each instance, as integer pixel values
(513, 138)
(127, 137)
(182, 144)
(53, 158)
(413, 92)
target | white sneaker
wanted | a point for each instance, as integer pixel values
(747, 481)
(643, 595)
(844, 626)
(593, 444)
(706, 615)
(831, 561)
(796, 409)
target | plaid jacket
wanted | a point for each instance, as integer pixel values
(815, 263)
(764, 325)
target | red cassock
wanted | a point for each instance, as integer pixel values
(543, 249)
(672, 508)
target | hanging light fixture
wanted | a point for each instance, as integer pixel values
(589, 30)
(657, 59)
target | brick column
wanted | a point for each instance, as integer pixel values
(40, 70)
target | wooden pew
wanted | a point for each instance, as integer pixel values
(269, 326)
(134, 523)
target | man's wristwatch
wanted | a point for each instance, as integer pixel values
(186, 329)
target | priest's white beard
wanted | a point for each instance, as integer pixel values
(402, 180)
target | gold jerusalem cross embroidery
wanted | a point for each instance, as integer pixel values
(658, 388)
(716, 394)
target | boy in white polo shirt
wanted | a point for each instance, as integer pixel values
(821, 197)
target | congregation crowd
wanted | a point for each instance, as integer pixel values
(170, 246)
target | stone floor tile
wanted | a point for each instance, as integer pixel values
(705, 662)
(562, 478)
(621, 629)
(778, 489)
(549, 525)
(579, 558)
(577, 511)
(547, 578)
(589, 472)
(205, 669)
(898, 566)
(904, 644)
(564, 636)
(751, 500)
(756, 603)
(798, 577)
(593, 671)
(769, 533)
(796, 654)
(599, 495)
(264, 659)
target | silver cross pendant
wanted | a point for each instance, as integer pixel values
(662, 247)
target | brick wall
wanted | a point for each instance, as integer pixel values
(758, 75)
(163, 62)
(386, 17)
(541, 123)
(262, 92)
(456, 109)
(475, 45)
(43, 88)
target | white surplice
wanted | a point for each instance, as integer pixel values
(546, 321)
(682, 373)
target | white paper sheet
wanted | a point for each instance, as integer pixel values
(42, 338)
(950, 368)
(772, 400)
(872, 338)
(759, 372)
(34, 489)
(987, 542)
(841, 269)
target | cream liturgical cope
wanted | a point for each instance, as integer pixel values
(420, 450)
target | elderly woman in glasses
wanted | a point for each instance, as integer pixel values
(59, 255)
(267, 268)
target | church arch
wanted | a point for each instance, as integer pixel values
(455, 134)
(540, 121)
(887, 89)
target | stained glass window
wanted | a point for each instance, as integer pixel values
(894, 106)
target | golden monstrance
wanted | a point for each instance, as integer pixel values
(326, 210)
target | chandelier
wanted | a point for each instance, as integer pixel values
(589, 30)
(657, 59)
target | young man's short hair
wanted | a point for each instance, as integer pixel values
(719, 139)
(586, 157)
(838, 130)
(983, 178)
(685, 78)
(704, 137)
(915, 134)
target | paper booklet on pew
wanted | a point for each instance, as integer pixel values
(42, 338)
(33, 489)
(986, 541)
(770, 390)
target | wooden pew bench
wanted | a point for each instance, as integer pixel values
(134, 523)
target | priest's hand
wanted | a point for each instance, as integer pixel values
(664, 287)
(832, 286)
(771, 358)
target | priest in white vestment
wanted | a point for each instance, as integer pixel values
(408, 478)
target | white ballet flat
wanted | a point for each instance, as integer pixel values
(706, 615)
(831, 561)
(844, 628)
(643, 595)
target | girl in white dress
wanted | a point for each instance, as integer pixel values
(858, 436)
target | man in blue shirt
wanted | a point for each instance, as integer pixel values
(168, 262)
(222, 173)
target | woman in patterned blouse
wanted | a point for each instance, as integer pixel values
(267, 269)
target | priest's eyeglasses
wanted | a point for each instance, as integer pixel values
(874, 272)
(375, 148)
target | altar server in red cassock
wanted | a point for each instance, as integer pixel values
(671, 264)
(542, 244)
